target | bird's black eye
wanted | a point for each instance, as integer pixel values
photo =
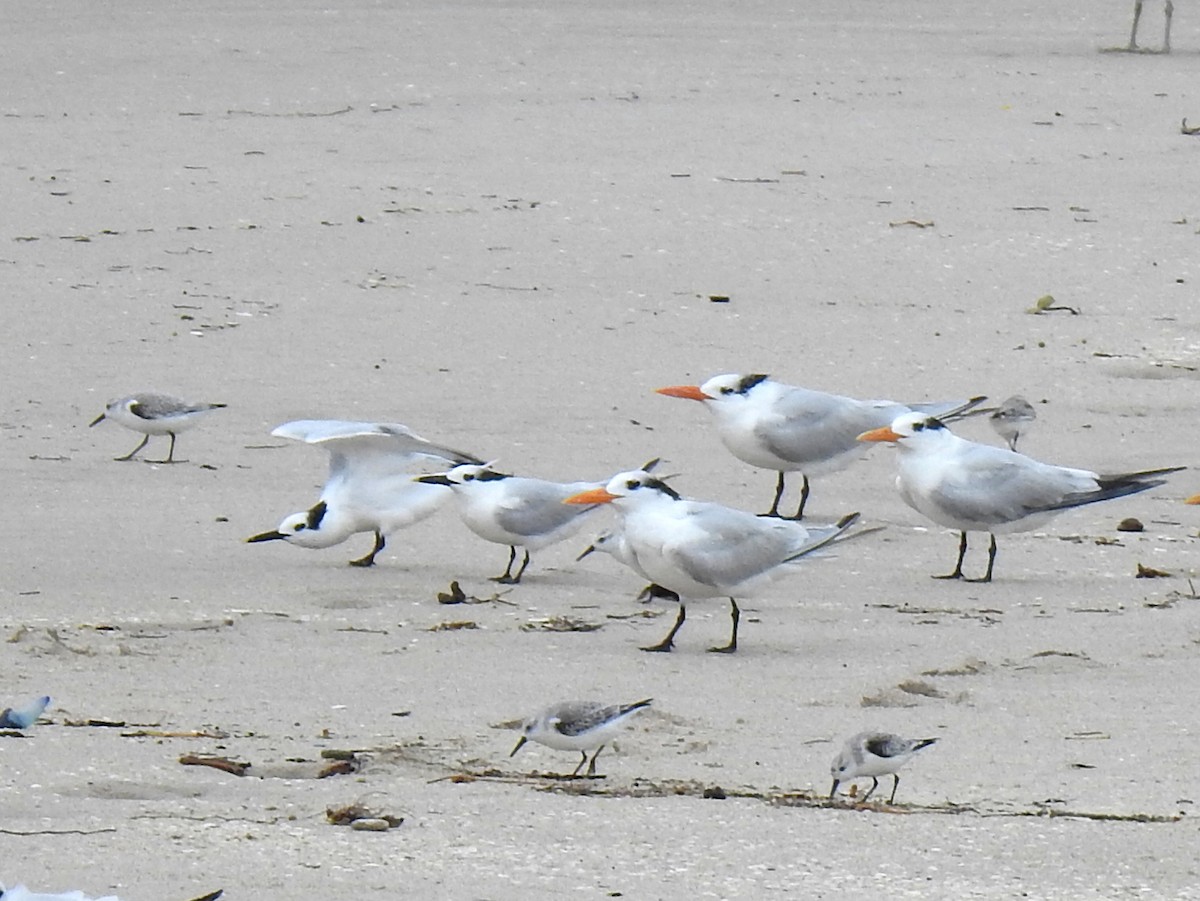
(728, 391)
(300, 527)
(633, 484)
(469, 477)
(918, 426)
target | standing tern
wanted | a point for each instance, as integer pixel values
(513, 510)
(874, 754)
(578, 726)
(979, 488)
(370, 486)
(154, 414)
(775, 426)
(703, 550)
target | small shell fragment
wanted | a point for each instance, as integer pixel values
(371, 824)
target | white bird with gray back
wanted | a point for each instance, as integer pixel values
(370, 487)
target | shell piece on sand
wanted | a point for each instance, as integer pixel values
(21, 893)
(23, 718)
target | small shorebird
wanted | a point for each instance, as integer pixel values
(1012, 419)
(874, 754)
(154, 414)
(578, 726)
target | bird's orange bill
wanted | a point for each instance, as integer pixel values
(687, 392)
(883, 434)
(1194, 499)
(594, 496)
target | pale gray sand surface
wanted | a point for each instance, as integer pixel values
(549, 195)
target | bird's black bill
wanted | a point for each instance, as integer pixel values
(520, 742)
(438, 479)
(266, 536)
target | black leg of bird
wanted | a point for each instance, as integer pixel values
(369, 559)
(520, 572)
(803, 498)
(669, 642)
(505, 578)
(987, 577)
(774, 511)
(130, 455)
(736, 615)
(962, 552)
(591, 770)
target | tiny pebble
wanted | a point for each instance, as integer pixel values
(1130, 524)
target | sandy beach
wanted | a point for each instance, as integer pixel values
(503, 225)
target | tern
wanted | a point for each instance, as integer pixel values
(979, 488)
(874, 754)
(154, 414)
(702, 550)
(775, 426)
(370, 486)
(513, 510)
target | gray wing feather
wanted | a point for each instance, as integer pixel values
(810, 425)
(736, 546)
(534, 507)
(999, 486)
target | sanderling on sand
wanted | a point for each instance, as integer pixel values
(874, 754)
(1012, 419)
(578, 726)
(154, 414)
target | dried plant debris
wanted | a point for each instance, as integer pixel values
(456, 595)
(362, 818)
(340, 768)
(1149, 572)
(184, 733)
(456, 626)
(918, 687)
(1047, 304)
(1173, 597)
(969, 667)
(559, 624)
(225, 764)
